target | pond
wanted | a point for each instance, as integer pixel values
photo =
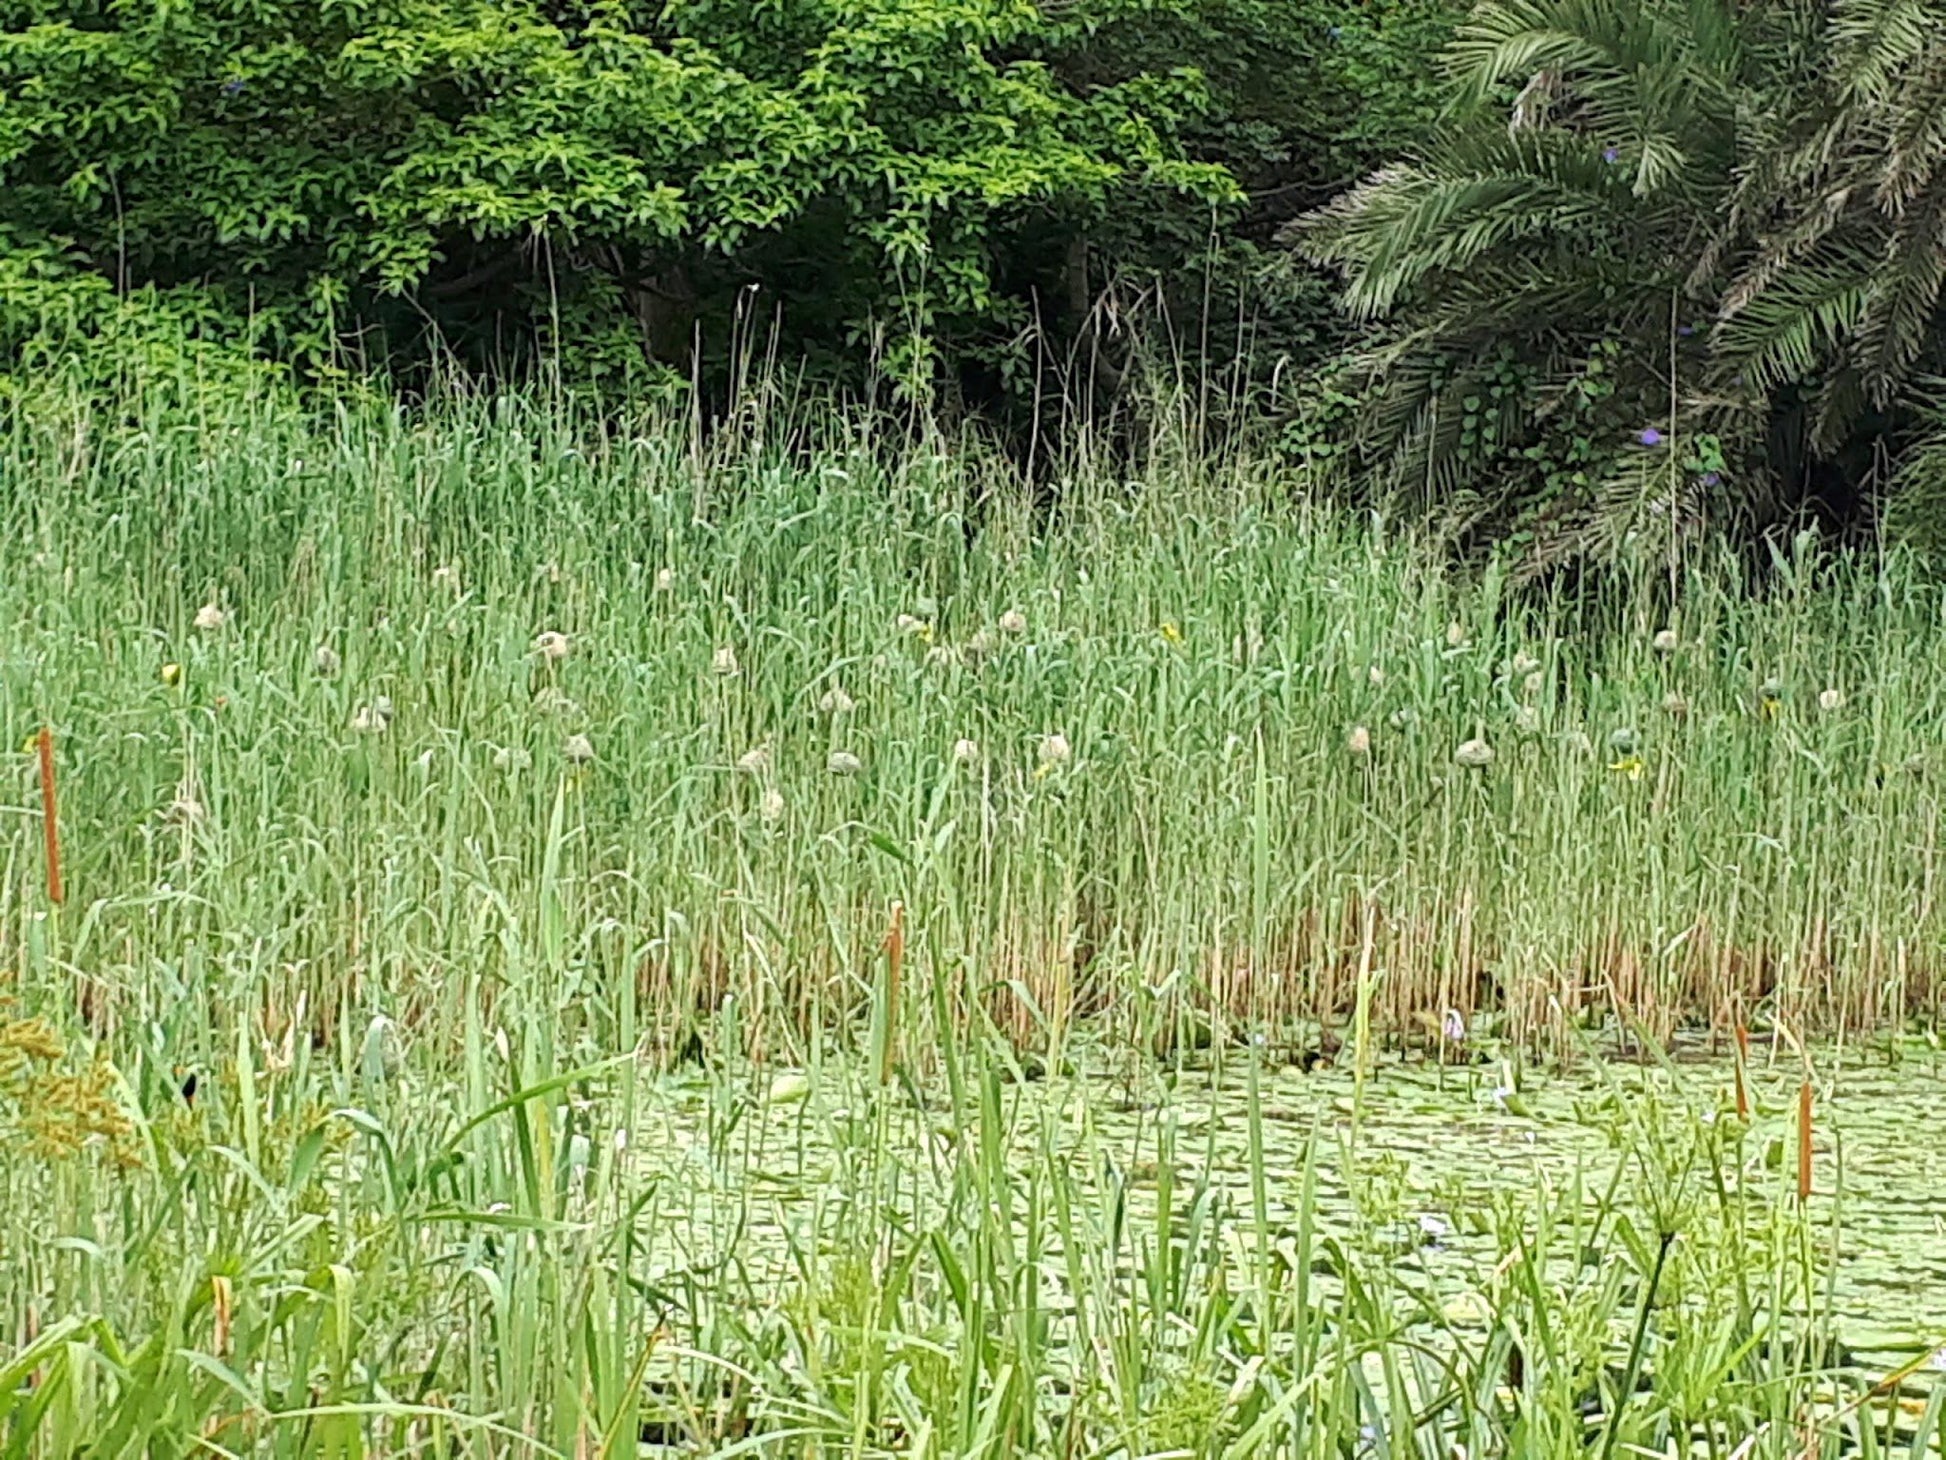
(762, 1167)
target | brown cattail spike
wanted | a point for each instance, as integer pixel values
(50, 820)
(1804, 1142)
(1743, 1087)
(894, 964)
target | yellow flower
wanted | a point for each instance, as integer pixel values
(172, 675)
(1628, 765)
(1170, 632)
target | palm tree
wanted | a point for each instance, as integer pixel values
(1536, 272)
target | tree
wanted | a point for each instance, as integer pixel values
(482, 169)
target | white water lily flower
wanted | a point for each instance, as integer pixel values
(1055, 749)
(578, 749)
(835, 701)
(1359, 742)
(1831, 700)
(551, 646)
(843, 763)
(325, 661)
(209, 618)
(1474, 754)
(1664, 641)
(770, 806)
(1013, 621)
(755, 761)
(966, 751)
(724, 661)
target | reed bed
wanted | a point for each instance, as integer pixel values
(504, 857)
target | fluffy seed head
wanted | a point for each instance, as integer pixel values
(1831, 700)
(1474, 754)
(1055, 749)
(843, 763)
(1375, 676)
(1455, 634)
(1359, 742)
(1664, 641)
(1013, 621)
(1674, 705)
(755, 761)
(578, 749)
(771, 805)
(209, 618)
(665, 580)
(835, 701)
(551, 646)
(324, 659)
(724, 661)
(966, 752)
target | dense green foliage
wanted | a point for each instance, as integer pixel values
(1673, 261)
(605, 182)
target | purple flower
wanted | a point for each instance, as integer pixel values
(1611, 155)
(1685, 330)
(1650, 436)
(1712, 479)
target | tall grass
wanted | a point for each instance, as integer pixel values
(1104, 762)
(402, 930)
